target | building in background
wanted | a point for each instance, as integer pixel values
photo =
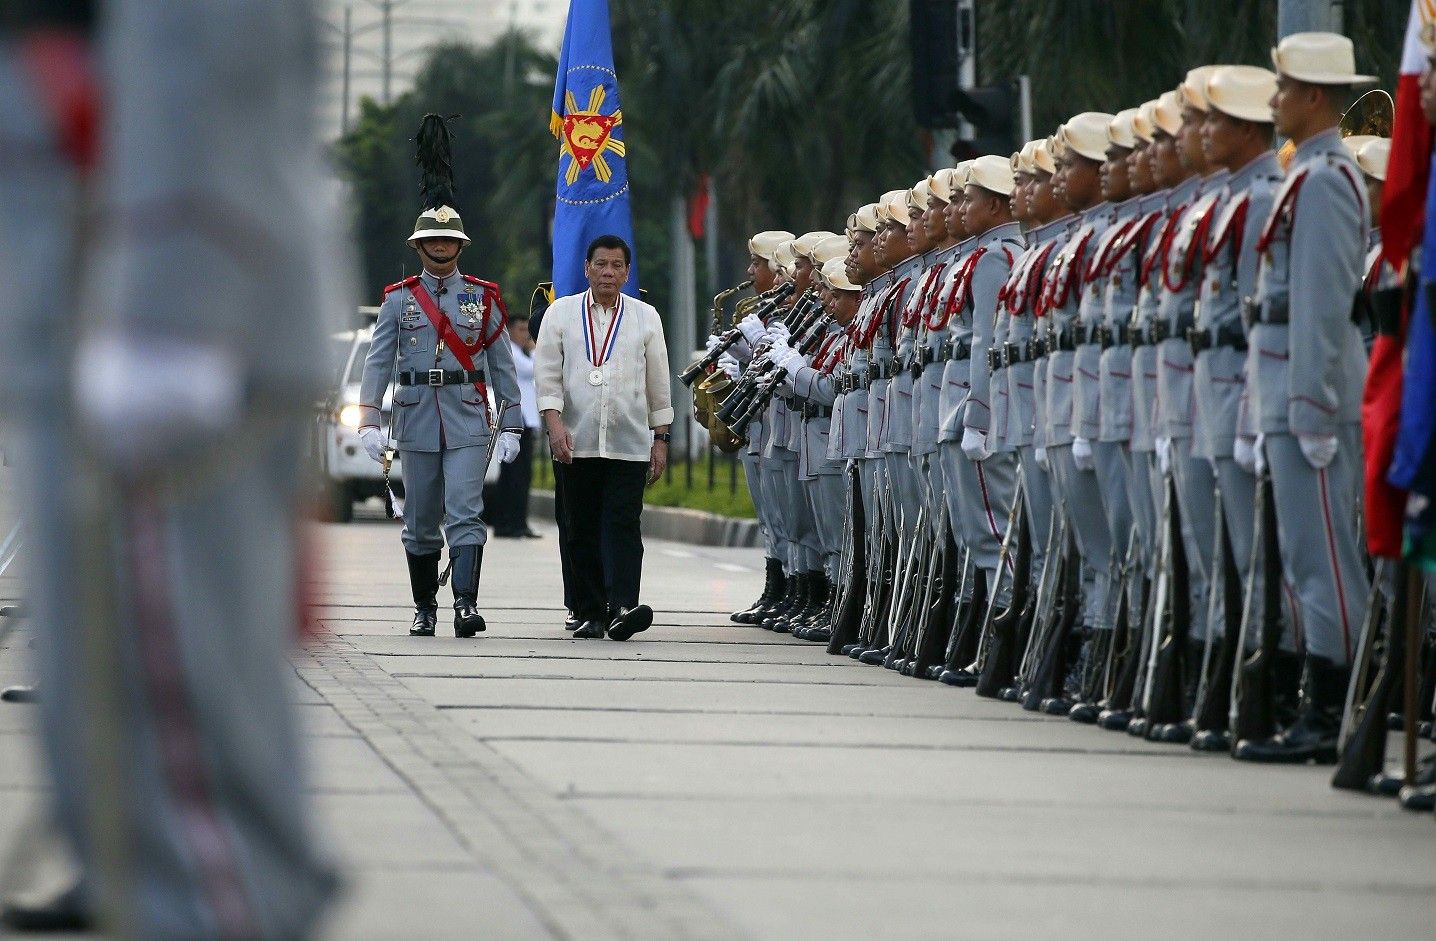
(384, 42)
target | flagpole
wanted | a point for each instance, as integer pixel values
(681, 330)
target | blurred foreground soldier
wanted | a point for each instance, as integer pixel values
(601, 373)
(440, 338)
(1305, 373)
(163, 442)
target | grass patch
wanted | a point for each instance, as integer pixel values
(728, 496)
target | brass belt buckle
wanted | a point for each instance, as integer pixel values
(436, 377)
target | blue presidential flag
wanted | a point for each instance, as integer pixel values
(592, 192)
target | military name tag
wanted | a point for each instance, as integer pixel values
(595, 377)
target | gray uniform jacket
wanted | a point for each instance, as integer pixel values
(927, 385)
(896, 431)
(1087, 404)
(850, 411)
(1230, 275)
(1181, 280)
(1145, 427)
(436, 418)
(1306, 364)
(1066, 287)
(1017, 325)
(883, 352)
(955, 377)
(817, 387)
(984, 280)
(1123, 275)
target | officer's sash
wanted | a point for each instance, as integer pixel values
(449, 335)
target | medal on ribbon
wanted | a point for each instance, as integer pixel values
(599, 351)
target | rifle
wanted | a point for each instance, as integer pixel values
(997, 668)
(1253, 710)
(1047, 648)
(1045, 605)
(1165, 702)
(929, 645)
(855, 582)
(1120, 669)
(1369, 700)
(1209, 716)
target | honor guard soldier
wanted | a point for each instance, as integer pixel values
(1084, 140)
(976, 470)
(1236, 137)
(764, 274)
(1305, 371)
(440, 339)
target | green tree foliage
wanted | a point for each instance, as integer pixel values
(797, 111)
(504, 159)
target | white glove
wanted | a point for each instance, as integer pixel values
(375, 442)
(729, 365)
(1040, 456)
(712, 344)
(173, 397)
(1319, 450)
(508, 446)
(974, 445)
(1259, 463)
(1164, 455)
(752, 329)
(775, 350)
(789, 359)
(1244, 453)
(778, 332)
(1082, 454)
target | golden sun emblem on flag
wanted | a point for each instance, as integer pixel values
(587, 135)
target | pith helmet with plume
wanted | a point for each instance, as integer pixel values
(437, 217)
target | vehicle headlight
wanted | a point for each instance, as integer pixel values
(349, 416)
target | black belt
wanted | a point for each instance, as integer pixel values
(813, 410)
(1227, 335)
(994, 358)
(1113, 336)
(1060, 340)
(890, 369)
(440, 377)
(1274, 311)
(1385, 308)
(958, 350)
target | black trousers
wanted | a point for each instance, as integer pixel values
(510, 497)
(602, 502)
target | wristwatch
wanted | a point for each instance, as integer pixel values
(662, 436)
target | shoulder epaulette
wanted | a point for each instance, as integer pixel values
(391, 288)
(488, 284)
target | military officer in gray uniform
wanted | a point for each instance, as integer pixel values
(440, 339)
(1181, 276)
(161, 433)
(983, 477)
(1305, 371)
(1236, 136)
(1084, 139)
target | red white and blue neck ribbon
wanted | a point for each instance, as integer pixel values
(598, 353)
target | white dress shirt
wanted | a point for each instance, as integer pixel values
(524, 368)
(613, 419)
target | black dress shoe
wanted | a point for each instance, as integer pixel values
(25, 694)
(630, 621)
(424, 623)
(570, 621)
(64, 912)
(1420, 797)
(1085, 713)
(506, 533)
(874, 656)
(1115, 720)
(590, 630)
(963, 679)
(528, 532)
(1313, 736)
(1212, 740)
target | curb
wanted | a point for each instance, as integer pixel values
(675, 524)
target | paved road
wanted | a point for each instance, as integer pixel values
(709, 780)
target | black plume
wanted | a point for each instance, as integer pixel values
(436, 168)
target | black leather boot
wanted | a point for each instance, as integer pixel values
(466, 562)
(772, 586)
(1312, 737)
(66, 912)
(424, 583)
(797, 589)
(814, 595)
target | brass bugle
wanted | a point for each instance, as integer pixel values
(721, 297)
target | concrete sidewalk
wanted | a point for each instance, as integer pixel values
(710, 780)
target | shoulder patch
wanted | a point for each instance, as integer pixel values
(391, 288)
(488, 284)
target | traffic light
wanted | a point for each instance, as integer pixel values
(991, 113)
(933, 40)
